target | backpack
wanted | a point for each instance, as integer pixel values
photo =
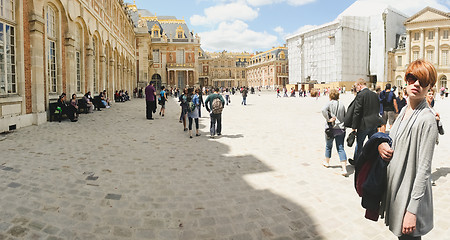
(191, 106)
(386, 99)
(217, 106)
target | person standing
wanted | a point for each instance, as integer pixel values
(244, 96)
(150, 94)
(202, 103)
(408, 202)
(334, 114)
(227, 96)
(163, 96)
(194, 104)
(214, 104)
(390, 108)
(184, 107)
(365, 119)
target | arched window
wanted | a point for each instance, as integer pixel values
(443, 81)
(180, 32)
(8, 84)
(52, 38)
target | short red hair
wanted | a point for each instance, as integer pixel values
(424, 71)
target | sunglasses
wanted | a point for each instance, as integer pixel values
(411, 79)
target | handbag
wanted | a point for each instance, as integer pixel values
(329, 130)
(351, 138)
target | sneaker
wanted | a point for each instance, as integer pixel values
(325, 164)
(190, 136)
(219, 134)
(344, 172)
(185, 129)
(212, 136)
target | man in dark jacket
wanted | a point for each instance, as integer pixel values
(366, 118)
(150, 94)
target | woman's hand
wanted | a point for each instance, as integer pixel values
(331, 120)
(385, 151)
(438, 117)
(409, 223)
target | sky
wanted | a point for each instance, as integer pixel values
(259, 25)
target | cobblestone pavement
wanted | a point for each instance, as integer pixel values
(115, 175)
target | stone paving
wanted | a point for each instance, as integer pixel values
(115, 175)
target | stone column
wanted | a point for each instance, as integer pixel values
(111, 77)
(102, 82)
(71, 73)
(422, 44)
(436, 47)
(408, 48)
(90, 68)
(37, 56)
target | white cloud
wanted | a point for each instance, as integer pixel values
(411, 7)
(299, 30)
(225, 12)
(236, 37)
(268, 2)
(279, 30)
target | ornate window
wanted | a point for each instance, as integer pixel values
(51, 50)
(445, 35)
(430, 54)
(156, 56)
(444, 58)
(399, 61)
(415, 55)
(443, 81)
(180, 56)
(416, 36)
(430, 35)
(155, 31)
(180, 32)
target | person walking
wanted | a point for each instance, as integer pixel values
(278, 93)
(334, 114)
(365, 119)
(163, 100)
(194, 104)
(184, 106)
(202, 103)
(150, 94)
(408, 203)
(214, 104)
(244, 96)
(227, 96)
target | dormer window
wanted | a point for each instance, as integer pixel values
(155, 31)
(180, 32)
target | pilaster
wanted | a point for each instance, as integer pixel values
(38, 77)
(71, 72)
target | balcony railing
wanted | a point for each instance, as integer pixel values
(180, 65)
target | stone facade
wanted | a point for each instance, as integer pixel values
(269, 69)
(224, 69)
(167, 51)
(54, 46)
(427, 37)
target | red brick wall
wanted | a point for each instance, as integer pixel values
(27, 58)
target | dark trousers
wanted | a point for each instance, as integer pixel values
(215, 118)
(150, 108)
(360, 137)
(409, 237)
(190, 123)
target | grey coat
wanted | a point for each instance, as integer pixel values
(409, 171)
(337, 110)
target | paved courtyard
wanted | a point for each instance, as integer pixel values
(115, 175)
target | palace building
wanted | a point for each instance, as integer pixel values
(269, 69)
(167, 51)
(427, 37)
(224, 69)
(53, 46)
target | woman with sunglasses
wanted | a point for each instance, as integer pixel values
(408, 205)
